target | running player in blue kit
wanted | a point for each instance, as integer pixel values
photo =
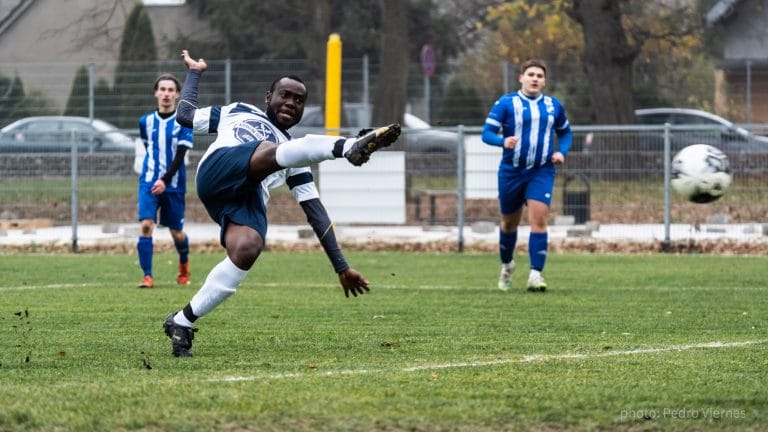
(528, 121)
(163, 178)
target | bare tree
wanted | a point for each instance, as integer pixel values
(607, 59)
(390, 95)
(615, 32)
(102, 24)
(318, 25)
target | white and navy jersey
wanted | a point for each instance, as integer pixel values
(534, 122)
(161, 137)
(239, 123)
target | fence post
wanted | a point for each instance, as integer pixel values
(366, 85)
(667, 170)
(228, 81)
(74, 194)
(460, 187)
(749, 91)
(91, 93)
(505, 76)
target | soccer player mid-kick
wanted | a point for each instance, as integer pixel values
(252, 153)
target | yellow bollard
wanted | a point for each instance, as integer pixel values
(333, 85)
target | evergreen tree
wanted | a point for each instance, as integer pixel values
(77, 104)
(12, 97)
(136, 68)
(460, 105)
(15, 103)
(106, 103)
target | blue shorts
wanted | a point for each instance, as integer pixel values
(228, 193)
(170, 205)
(516, 186)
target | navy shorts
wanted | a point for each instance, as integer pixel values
(227, 192)
(516, 186)
(169, 204)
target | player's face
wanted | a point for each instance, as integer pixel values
(285, 105)
(167, 95)
(533, 80)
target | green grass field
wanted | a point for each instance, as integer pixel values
(623, 342)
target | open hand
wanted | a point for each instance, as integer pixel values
(353, 282)
(191, 63)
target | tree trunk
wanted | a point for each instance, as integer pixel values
(319, 25)
(607, 59)
(390, 94)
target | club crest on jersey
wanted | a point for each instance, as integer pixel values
(253, 130)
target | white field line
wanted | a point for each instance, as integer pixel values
(249, 287)
(525, 359)
(49, 286)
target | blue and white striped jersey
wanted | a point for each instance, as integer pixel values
(533, 121)
(161, 137)
(239, 123)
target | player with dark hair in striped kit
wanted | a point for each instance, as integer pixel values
(528, 121)
(163, 178)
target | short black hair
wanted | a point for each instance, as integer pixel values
(168, 77)
(292, 77)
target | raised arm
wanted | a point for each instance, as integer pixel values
(185, 114)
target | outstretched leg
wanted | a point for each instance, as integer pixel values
(317, 148)
(365, 145)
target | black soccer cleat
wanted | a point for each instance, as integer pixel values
(365, 145)
(181, 337)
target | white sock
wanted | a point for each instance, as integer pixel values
(310, 149)
(221, 283)
(534, 273)
(182, 320)
(508, 265)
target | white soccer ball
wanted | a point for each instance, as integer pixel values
(701, 173)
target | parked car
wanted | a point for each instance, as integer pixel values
(55, 134)
(714, 130)
(418, 135)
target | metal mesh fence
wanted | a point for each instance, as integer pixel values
(613, 175)
(609, 178)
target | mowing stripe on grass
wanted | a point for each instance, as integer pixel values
(524, 359)
(375, 286)
(317, 285)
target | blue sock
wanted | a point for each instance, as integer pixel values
(537, 249)
(183, 250)
(507, 242)
(144, 247)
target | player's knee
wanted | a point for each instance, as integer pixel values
(509, 222)
(146, 228)
(245, 252)
(507, 226)
(178, 236)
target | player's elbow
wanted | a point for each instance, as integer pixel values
(491, 137)
(185, 114)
